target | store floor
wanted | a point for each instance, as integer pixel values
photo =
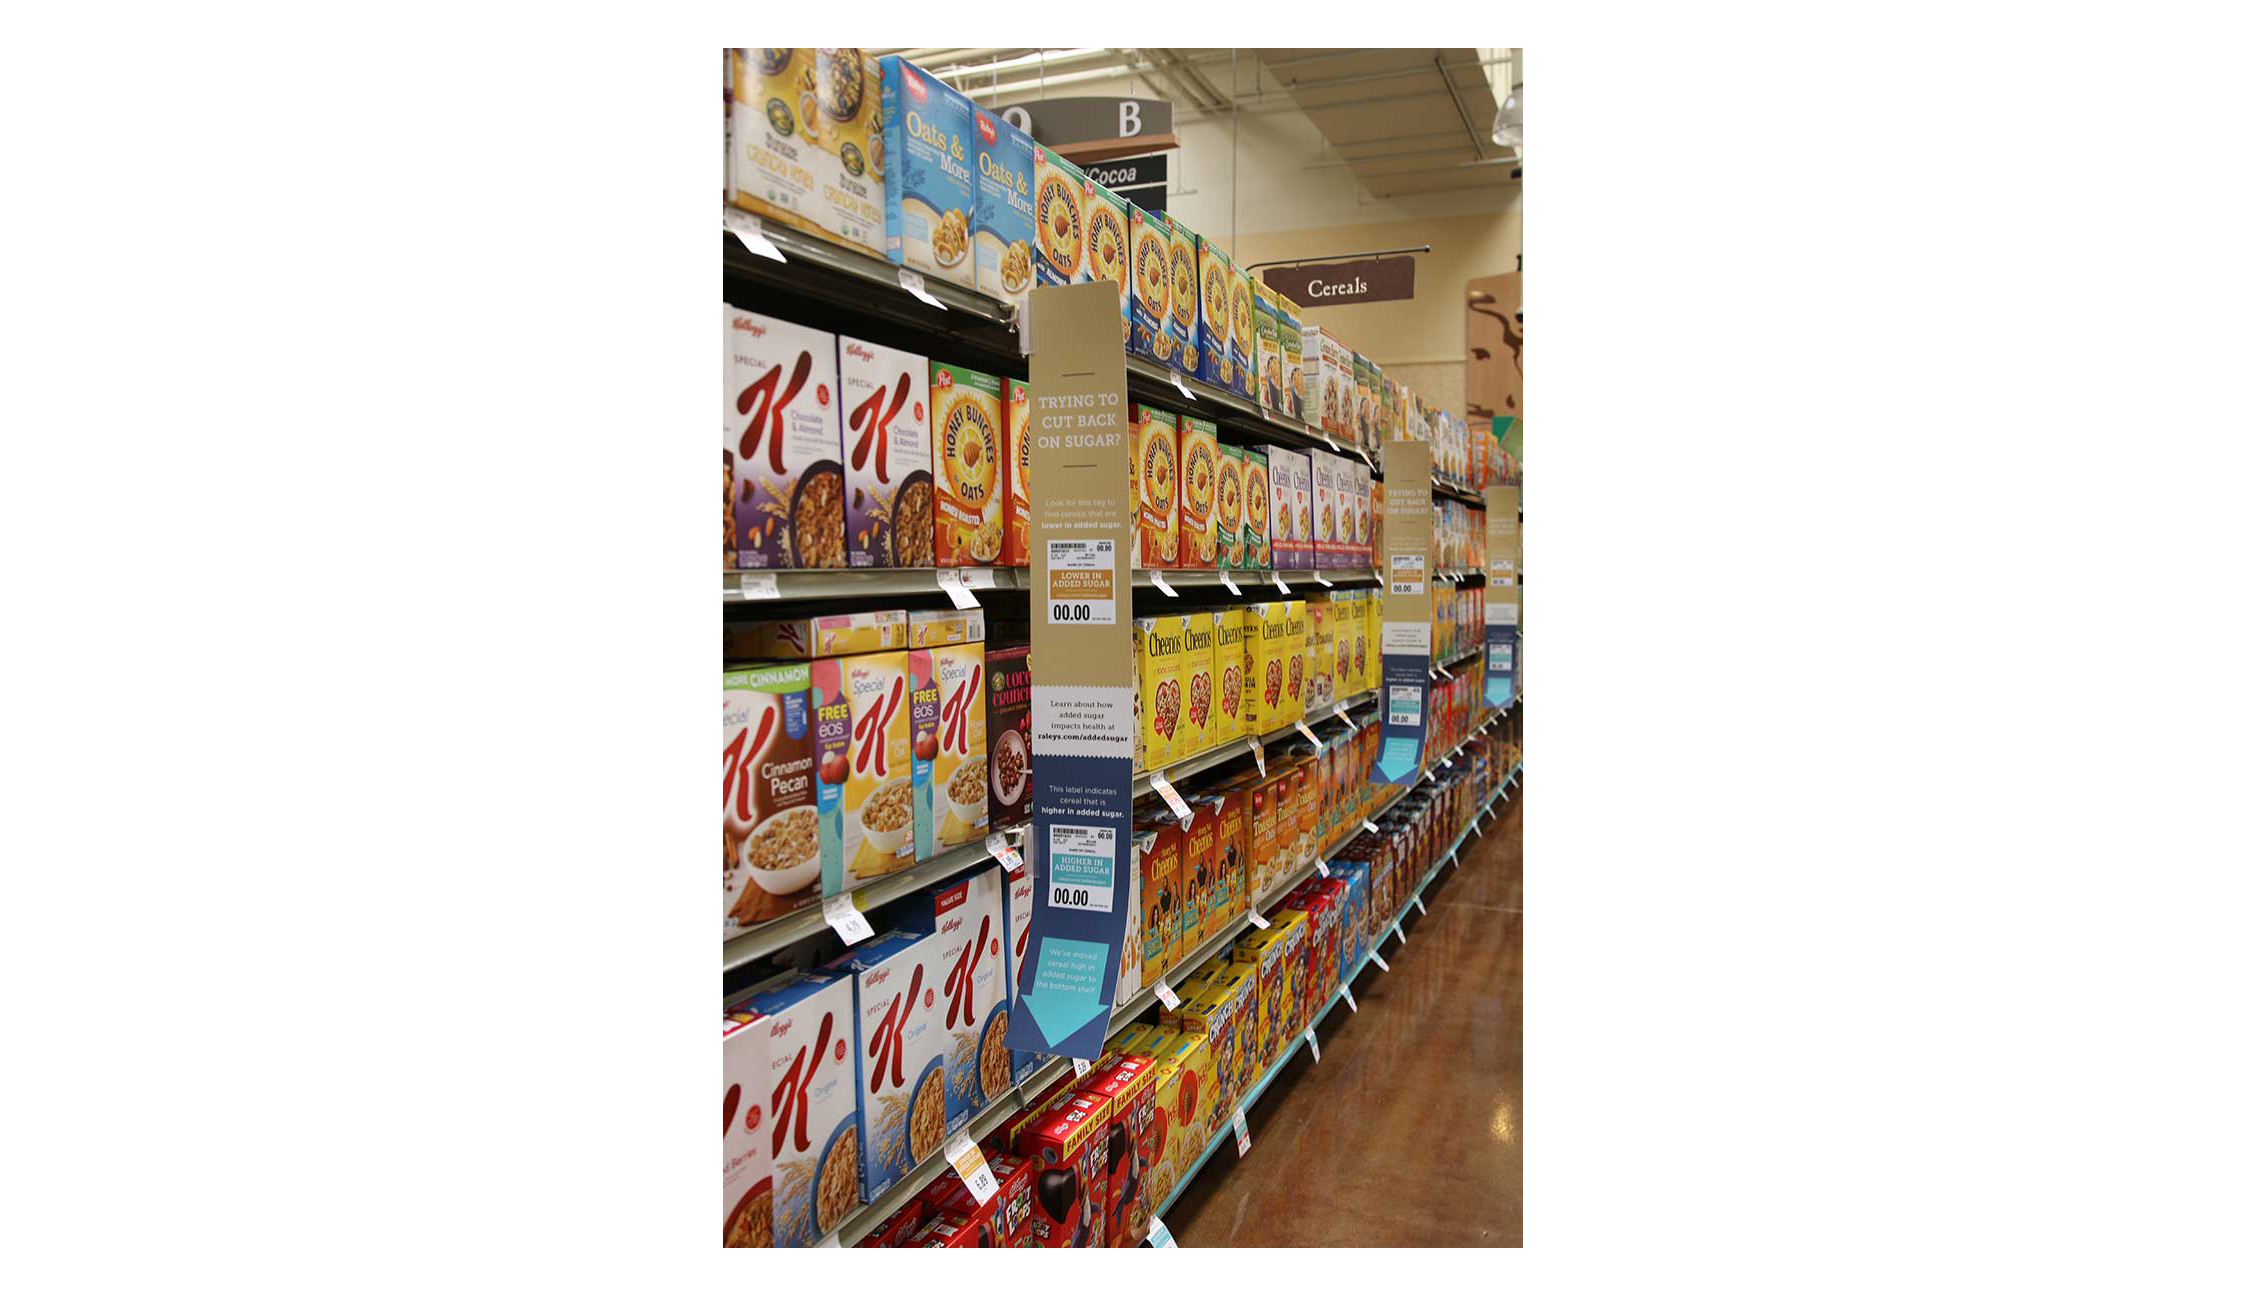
(1408, 1132)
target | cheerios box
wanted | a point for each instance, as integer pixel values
(1185, 298)
(748, 1148)
(1107, 246)
(1298, 639)
(864, 723)
(1057, 251)
(928, 189)
(900, 1057)
(952, 785)
(1159, 846)
(783, 444)
(1198, 454)
(1216, 348)
(1230, 668)
(1328, 509)
(1292, 526)
(967, 920)
(1255, 514)
(888, 489)
(1232, 485)
(1272, 647)
(1005, 167)
(1158, 644)
(1198, 729)
(970, 522)
(1290, 351)
(1154, 466)
(810, 1094)
(781, 824)
(1151, 335)
(1271, 362)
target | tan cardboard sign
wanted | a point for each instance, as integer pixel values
(1407, 611)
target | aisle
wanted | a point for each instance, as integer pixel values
(1409, 1132)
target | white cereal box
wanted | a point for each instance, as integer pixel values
(900, 1057)
(748, 1132)
(783, 444)
(1021, 896)
(810, 1092)
(1330, 511)
(967, 918)
(1291, 524)
(888, 513)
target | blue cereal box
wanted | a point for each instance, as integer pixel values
(1185, 299)
(928, 187)
(1150, 287)
(1215, 366)
(1058, 191)
(1107, 245)
(1005, 164)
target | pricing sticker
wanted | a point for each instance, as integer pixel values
(1158, 1233)
(1225, 578)
(750, 231)
(1083, 1066)
(759, 585)
(1322, 869)
(978, 577)
(1382, 579)
(1080, 582)
(1320, 577)
(1369, 828)
(1280, 583)
(1171, 798)
(1422, 905)
(947, 580)
(1163, 992)
(1240, 1129)
(1304, 729)
(1399, 937)
(1161, 584)
(911, 282)
(1344, 714)
(1332, 444)
(967, 1159)
(1178, 381)
(997, 845)
(1256, 745)
(1407, 573)
(1378, 961)
(1259, 920)
(1477, 827)
(1310, 1037)
(1349, 998)
(847, 922)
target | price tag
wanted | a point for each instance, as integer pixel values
(1162, 585)
(1446, 762)
(759, 585)
(1477, 827)
(1240, 1129)
(847, 922)
(1421, 904)
(750, 231)
(1501, 795)
(1344, 714)
(1176, 803)
(1349, 998)
(1259, 920)
(1163, 992)
(1322, 872)
(978, 577)
(1382, 579)
(997, 845)
(1310, 1037)
(833, 1239)
(1320, 577)
(1378, 962)
(1369, 828)
(1178, 381)
(1280, 583)
(1256, 745)
(1304, 729)
(1083, 1066)
(1158, 1233)
(1399, 937)
(967, 1159)
(947, 580)
(1226, 578)
(911, 282)
(1332, 444)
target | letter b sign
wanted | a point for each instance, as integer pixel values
(1127, 119)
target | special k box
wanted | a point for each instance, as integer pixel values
(967, 922)
(748, 1155)
(1229, 667)
(1255, 520)
(1159, 643)
(900, 1062)
(1197, 731)
(1154, 465)
(1198, 455)
(783, 445)
(1292, 526)
(810, 1096)
(889, 494)
(776, 827)
(1021, 891)
(1013, 550)
(969, 465)
(952, 785)
(861, 701)
(805, 638)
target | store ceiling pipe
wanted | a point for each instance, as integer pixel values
(1053, 58)
(1066, 78)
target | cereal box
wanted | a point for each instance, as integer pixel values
(1003, 1221)
(1271, 362)
(1307, 796)
(1291, 523)
(1229, 670)
(966, 919)
(1290, 351)
(748, 1153)
(1255, 520)
(935, 627)
(1318, 681)
(1150, 288)
(1007, 731)
(1128, 1085)
(1058, 253)
(1298, 639)
(861, 703)
(1005, 166)
(1379, 544)
(1157, 862)
(774, 169)
(1215, 268)
(1329, 388)
(1154, 462)
(928, 191)
(1365, 376)
(1185, 298)
(810, 1092)
(804, 638)
(1068, 1147)
(1021, 891)
(1181, 1112)
(1272, 826)
(954, 795)
(1197, 675)
(1197, 506)
(783, 444)
(1232, 485)
(1229, 855)
(900, 1058)
(1242, 335)
(1159, 643)
(1013, 547)
(1197, 874)
(1262, 955)
(1390, 416)
(1361, 496)
(890, 496)
(1329, 511)
(970, 519)
(1130, 959)
(852, 194)
(1272, 710)
(1107, 252)
(776, 828)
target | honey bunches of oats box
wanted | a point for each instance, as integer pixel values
(889, 499)
(1216, 348)
(1005, 165)
(928, 189)
(1154, 464)
(967, 920)
(1241, 334)
(1255, 517)
(1231, 488)
(1150, 287)
(1107, 249)
(900, 1056)
(1197, 478)
(1058, 247)
(1013, 548)
(969, 466)
(783, 445)
(1185, 298)
(810, 1092)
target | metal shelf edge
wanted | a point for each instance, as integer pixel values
(779, 933)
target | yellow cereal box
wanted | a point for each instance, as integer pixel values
(1181, 1108)
(1198, 455)
(1298, 648)
(1230, 669)
(952, 786)
(1271, 709)
(1318, 669)
(868, 692)
(1232, 481)
(1107, 227)
(1159, 643)
(1197, 731)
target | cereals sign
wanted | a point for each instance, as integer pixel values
(1345, 283)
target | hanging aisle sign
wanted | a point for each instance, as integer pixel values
(1501, 605)
(1406, 613)
(1080, 638)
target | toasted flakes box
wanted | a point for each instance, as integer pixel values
(1150, 287)
(1005, 163)
(1255, 521)
(1231, 489)
(1159, 643)
(810, 1092)
(1058, 252)
(929, 187)
(775, 825)
(1013, 548)
(1215, 360)
(966, 920)
(900, 1062)
(888, 516)
(862, 702)
(970, 519)
(783, 444)
(1154, 462)
(1229, 668)
(1197, 472)
(1185, 298)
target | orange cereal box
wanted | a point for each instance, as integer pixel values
(1013, 549)
(1154, 465)
(970, 466)
(1198, 454)
(1197, 873)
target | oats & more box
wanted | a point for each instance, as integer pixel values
(928, 191)
(1005, 167)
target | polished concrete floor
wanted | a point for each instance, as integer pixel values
(1408, 1132)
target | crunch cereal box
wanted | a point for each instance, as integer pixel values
(783, 445)
(970, 522)
(890, 494)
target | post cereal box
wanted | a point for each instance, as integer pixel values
(1108, 253)
(1230, 669)
(1197, 873)
(1298, 642)
(1292, 526)
(1013, 547)
(1197, 731)
(1157, 847)
(1151, 335)
(966, 920)
(928, 189)
(1185, 298)
(748, 1154)
(1271, 361)
(1007, 733)
(1328, 509)
(1216, 315)
(1058, 252)
(1232, 487)
(1021, 893)
(776, 828)
(1005, 165)
(1068, 1147)
(1272, 711)
(1290, 351)
(810, 1094)
(1242, 339)
(900, 1059)
(970, 520)
(1255, 519)
(783, 445)
(1366, 376)
(953, 797)
(889, 493)
(861, 702)
(1197, 474)
(1154, 462)
(1159, 643)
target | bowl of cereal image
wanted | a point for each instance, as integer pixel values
(965, 796)
(886, 817)
(949, 242)
(782, 855)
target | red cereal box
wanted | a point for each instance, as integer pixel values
(1067, 1148)
(1003, 1221)
(1127, 1082)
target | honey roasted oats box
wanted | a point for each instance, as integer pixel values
(1151, 334)
(900, 1057)
(969, 466)
(783, 444)
(810, 1092)
(776, 821)
(889, 509)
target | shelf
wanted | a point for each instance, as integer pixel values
(779, 587)
(1158, 385)
(778, 934)
(1297, 578)
(830, 286)
(1460, 494)
(1143, 783)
